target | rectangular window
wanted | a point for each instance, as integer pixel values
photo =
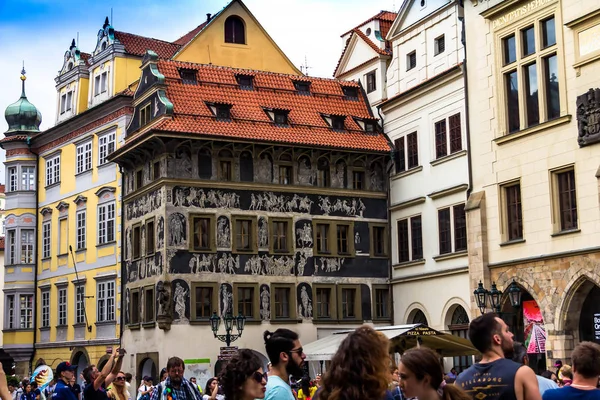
(62, 306)
(445, 235)
(460, 227)
(106, 302)
(145, 114)
(69, 101)
(27, 178)
(106, 223)
(156, 170)
(324, 302)
(416, 234)
(243, 234)
(455, 133)
(12, 179)
(10, 311)
(79, 304)
(53, 170)
(400, 158)
(202, 237)
(410, 239)
(26, 311)
(46, 309)
(137, 245)
(534, 67)
(280, 236)
(379, 241)
(358, 180)
(63, 103)
(46, 239)
(403, 241)
(135, 307)
(203, 302)
(323, 176)
(63, 236)
(343, 238)
(26, 246)
(441, 145)
(150, 237)
(106, 145)
(84, 157)
(439, 45)
(281, 304)
(452, 224)
(280, 118)
(80, 216)
(103, 82)
(245, 301)
(348, 303)
(323, 239)
(448, 141)
(12, 247)
(567, 200)
(371, 82)
(139, 178)
(382, 303)
(413, 150)
(411, 60)
(514, 217)
(225, 170)
(285, 175)
(149, 304)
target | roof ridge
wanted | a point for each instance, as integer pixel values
(374, 17)
(148, 37)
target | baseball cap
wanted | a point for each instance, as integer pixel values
(65, 366)
(558, 363)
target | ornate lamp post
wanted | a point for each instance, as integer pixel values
(240, 322)
(493, 296)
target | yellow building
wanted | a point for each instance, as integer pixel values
(63, 224)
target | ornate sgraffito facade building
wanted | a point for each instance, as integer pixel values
(533, 214)
(63, 193)
(255, 193)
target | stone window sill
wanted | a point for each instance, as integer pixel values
(566, 232)
(411, 171)
(150, 324)
(411, 263)
(532, 130)
(449, 256)
(104, 323)
(449, 157)
(511, 242)
(106, 244)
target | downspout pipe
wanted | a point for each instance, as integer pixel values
(123, 267)
(35, 263)
(468, 124)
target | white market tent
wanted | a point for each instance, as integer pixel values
(402, 338)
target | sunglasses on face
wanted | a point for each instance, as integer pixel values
(120, 378)
(299, 350)
(258, 377)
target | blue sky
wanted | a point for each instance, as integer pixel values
(40, 31)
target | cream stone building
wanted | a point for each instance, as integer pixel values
(532, 213)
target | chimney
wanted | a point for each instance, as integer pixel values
(208, 17)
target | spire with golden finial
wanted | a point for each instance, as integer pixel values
(22, 116)
(23, 79)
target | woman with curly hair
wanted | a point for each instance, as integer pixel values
(243, 378)
(422, 376)
(359, 370)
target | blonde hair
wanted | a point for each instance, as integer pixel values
(113, 390)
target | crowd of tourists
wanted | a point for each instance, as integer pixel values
(361, 369)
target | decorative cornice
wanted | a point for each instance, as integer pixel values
(407, 203)
(62, 205)
(448, 191)
(80, 199)
(46, 211)
(105, 189)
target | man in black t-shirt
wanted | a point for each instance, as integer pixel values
(99, 380)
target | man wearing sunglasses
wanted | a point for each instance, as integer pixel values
(287, 358)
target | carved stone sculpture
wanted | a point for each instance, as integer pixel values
(163, 297)
(588, 117)
(180, 298)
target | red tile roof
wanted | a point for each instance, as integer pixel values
(358, 32)
(182, 41)
(386, 19)
(137, 45)
(271, 90)
(85, 57)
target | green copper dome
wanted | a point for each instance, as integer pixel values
(22, 116)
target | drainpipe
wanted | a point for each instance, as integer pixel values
(389, 222)
(467, 128)
(35, 262)
(123, 269)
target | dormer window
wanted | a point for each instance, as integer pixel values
(351, 93)
(337, 122)
(366, 124)
(370, 126)
(303, 87)
(145, 115)
(221, 111)
(245, 81)
(188, 76)
(66, 101)
(281, 117)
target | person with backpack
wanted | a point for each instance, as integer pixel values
(146, 388)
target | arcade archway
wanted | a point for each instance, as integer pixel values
(80, 358)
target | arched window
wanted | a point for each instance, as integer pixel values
(246, 167)
(419, 318)
(235, 31)
(204, 164)
(459, 316)
(225, 165)
(323, 173)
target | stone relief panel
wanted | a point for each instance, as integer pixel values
(588, 117)
(223, 232)
(226, 299)
(181, 301)
(163, 300)
(264, 169)
(304, 296)
(144, 204)
(263, 233)
(127, 306)
(265, 302)
(177, 230)
(160, 233)
(306, 174)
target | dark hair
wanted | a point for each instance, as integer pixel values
(280, 341)
(547, 374)
(128, 377)
(425, 362)
(207, 388)
(162, 373)
(519, 352)
(481, 331)
(238, 369)
(175, 362)
(359, 369)
(586, 359)
(87, 373)
(305, 386)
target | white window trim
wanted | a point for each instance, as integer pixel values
(103, 148)
(80, 244)
(46, 241)
(13, 184)
(104, 299)
(62, 308)
(53, 170)
(83, 154)
(103, 222)
(29, 184)
(16, 316)
(32, 244)
(45, 308)
(79, 303)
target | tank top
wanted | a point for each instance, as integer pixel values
(490, 381)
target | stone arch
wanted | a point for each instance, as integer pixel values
(412, 309)
(148, 367)
(524, 278)
(102, 361)
(451, 305)
(80, 358)
(235, 30)
(581, 283)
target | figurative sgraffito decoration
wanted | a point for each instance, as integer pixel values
(160, 232)
(127, 300)
(265, 300)
(227, 264)
(338, 179)
(352, 208)
(269, 201)
(270, 265)
(303, 255)
(183, 163)
(305, 308)
(162, 298)
(226, 299)
(306, 175)
(203, 263)
(264, 169)
(263, 233)
(177, 230)
(329, 264)
(149, 266)
(195, 197)
(180, 300)
(304, 237)
(376, 177)
(356, 238)
(223, 232)
(144, 204)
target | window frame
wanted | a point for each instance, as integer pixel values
(62, 309)
(150, 239)
(410, 237)
(255, 303)
(253, 234)
(452, 229)
(28, 172)
(11, 246)
(292, 301)
(30, 243)
(145, 114)
(80, 311)
(80, 230)
(103, 232)
(371, 81)
(436, 45)
(289, 236)
(557, 223)
(46, 239)
(409, 60)
(132, 309)
(52, 170)
(350, 239)
(214, 306)
(332, 302)
(104, 317)
(212, 239)
(31, 315)
(136, 243)
(83, 156)
(233, 39)
(104, 146)
(146, 317)
(374, 290)
(45, 307)
(386, 246)
(13, 178)
(357, 302)
(505, 225)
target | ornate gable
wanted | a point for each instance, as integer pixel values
(106, 37)
(73, 58)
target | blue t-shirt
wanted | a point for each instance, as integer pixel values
(278, 389)
(63, 392)
(571, 393)
(545, 384)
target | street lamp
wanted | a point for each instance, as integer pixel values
(494, 295)
(215, 321)
(481, 297)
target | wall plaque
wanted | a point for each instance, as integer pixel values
(588, 117)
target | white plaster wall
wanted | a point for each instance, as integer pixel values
(359, 53)
(418, 12)
(530, 158)
(376, 96)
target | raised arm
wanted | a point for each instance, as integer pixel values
(106, 370)
(526, 384)
(4, 392)
(116, 368)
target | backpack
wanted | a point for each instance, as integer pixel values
(145, 396)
